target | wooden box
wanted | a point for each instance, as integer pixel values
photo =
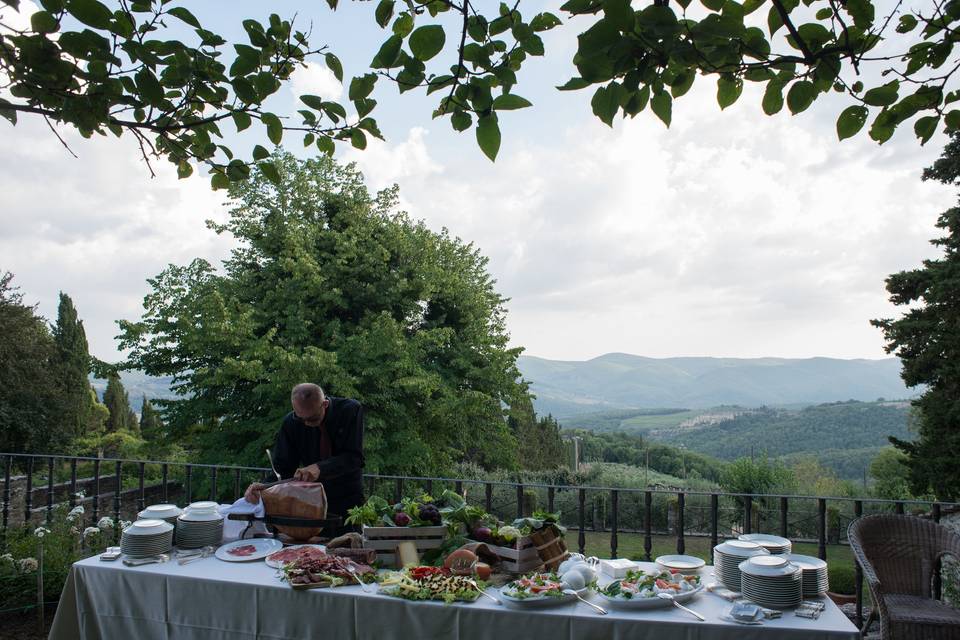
(521, 557)
(386, 539)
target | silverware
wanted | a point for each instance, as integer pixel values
(270, 458)
(139, 562)
(194, 555)
(668, 596)
(599, 609)
(474, 584)
(363, 585)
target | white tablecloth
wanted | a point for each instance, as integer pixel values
(210, 600)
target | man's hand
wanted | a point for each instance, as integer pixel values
(307, 474)
(252, 494)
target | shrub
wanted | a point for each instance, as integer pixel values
(843, 578)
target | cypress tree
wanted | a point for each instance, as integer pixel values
(74, 366)
(118, 403)
(151, 426)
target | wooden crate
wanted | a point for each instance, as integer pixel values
(386, 539)
(522, 557)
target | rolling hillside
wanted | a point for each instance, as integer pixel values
(622, 381)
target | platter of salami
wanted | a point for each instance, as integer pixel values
(320, 571)
(248, 550)
(277, 559)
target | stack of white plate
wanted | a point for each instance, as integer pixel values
(727, 557)
(165, 512)
(145, 538)
(772, 581)
(815, 579)
(686, 565)
(200, 525)
(774, 544)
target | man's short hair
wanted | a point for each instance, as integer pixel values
(307, 393)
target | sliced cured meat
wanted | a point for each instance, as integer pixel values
(243, 551)
(292, 554)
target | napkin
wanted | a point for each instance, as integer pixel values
(242, 507)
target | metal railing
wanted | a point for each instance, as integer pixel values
(593, 512)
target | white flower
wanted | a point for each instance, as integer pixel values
(7, 559)
(124, 524)
(508, 533)
(89, 531)
(105, 523)
(41, 531)
(75, 513)
(79, 495)
(75, 531)
(28, 564)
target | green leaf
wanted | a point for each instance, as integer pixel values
(184, 15)
(774, 21)
(619, 13)
(862, 12)
(427, 41)
(403, 25)
(245, 91)
(952, 119)
(662, 105)
(384, 13)
(749, 6)
(851, 120)
(364, 106)
(773, 98)
(907, 24)
(314, 102)
(729, 89)
(925, 128)
(488, 135)
(386, 57)
(800, 96)
(461, 120)
(325, 145)
(260, 153)
(219, 180)
(510, 101)
(713, 5)
(358, 139)
(682, 83)
(544, 21)
(883, 126)
(333, 63)
(184, 169)
(574, 84)
(91, 13)
(43, 22)
(533, 45)
(605, 104)
(477, 28)
(270, 171)
(882, 96)
(241, 120)
(274, 127)
(149, 86)
(362, 86)
(247, 60)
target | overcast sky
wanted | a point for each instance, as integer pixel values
(730, 234)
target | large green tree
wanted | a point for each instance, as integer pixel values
(117, 401)
(328, 283)
(32, 406)
(74, 365)
(927, 341)
(129, 67)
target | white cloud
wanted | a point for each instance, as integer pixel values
(316, 79)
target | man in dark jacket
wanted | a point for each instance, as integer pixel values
(321, 440)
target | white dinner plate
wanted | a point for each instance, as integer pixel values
(687, 565)
(263, 546)
(274, 564)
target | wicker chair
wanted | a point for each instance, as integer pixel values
(898, 555)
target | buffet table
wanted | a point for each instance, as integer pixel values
(210, 599)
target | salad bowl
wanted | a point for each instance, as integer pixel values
(640, 590)
(538, 590)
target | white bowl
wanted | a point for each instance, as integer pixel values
(203, 505)
(200, 516)
(160, 511)
(148, 528)
(740, 549)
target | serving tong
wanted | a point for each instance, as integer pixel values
(186, 557)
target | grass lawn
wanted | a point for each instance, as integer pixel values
(630, 545)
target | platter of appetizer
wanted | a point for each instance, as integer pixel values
(429, 583)
(641, 589)
(286, 555)
(248, 550)
(318, 571)
(539, 590)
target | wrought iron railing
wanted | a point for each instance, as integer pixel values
(122, 487)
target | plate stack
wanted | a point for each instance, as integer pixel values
(146, 538)
(815, 579)
(165, 512)
(772, 581)
(727, 557)
(200, 525)
(774, 544)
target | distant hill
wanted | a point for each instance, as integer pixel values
(622, 381)
(138, 384)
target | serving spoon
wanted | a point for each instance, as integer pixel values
(474, 584)
(599, 609)
(669, 596)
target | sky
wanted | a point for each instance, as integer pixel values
(729, 234)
